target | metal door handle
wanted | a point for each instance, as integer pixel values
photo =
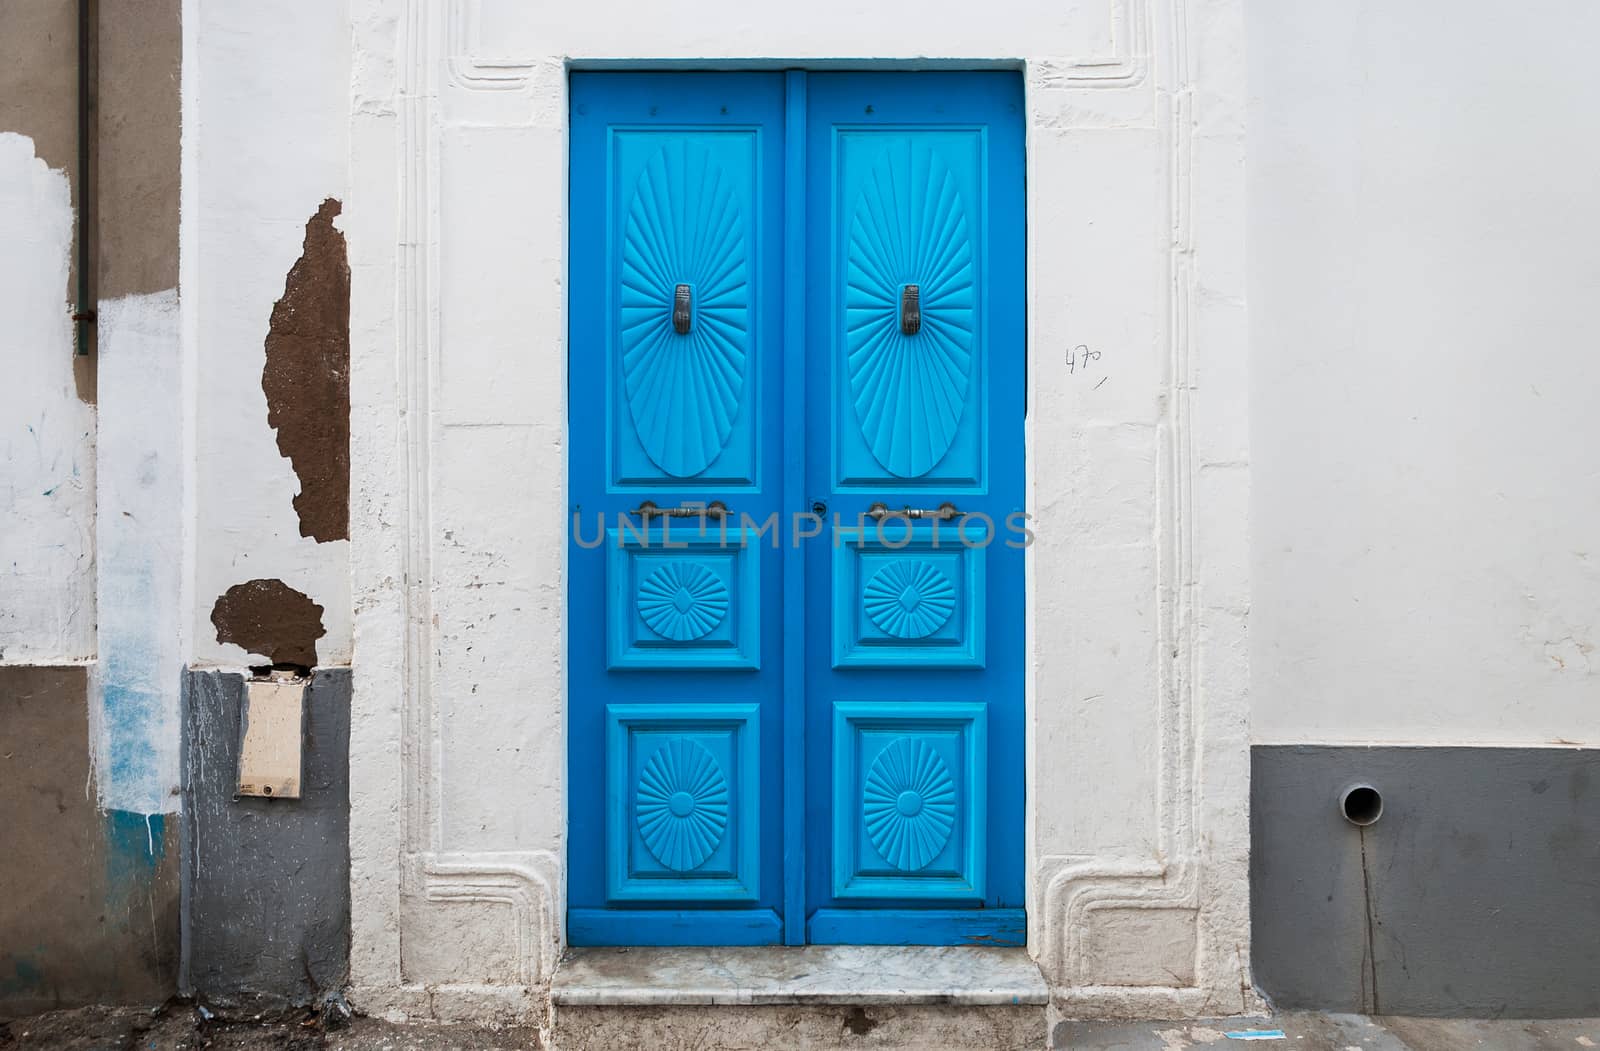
(715, 509)
(944, 512)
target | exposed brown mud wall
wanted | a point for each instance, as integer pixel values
(307, 377)
(270, 618)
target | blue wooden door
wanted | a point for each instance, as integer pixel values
(914, 400)
(794, 297)
(675, 679)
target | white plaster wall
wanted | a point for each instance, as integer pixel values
(266, 141)
(46, 432)
(134, 714)
(1139, 474)
(1424, 278)
(91, 503)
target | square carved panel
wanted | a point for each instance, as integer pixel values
(909, 799)
(678, 599)
(909, 596)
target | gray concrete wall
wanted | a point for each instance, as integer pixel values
(266, 882)
(1476, 893)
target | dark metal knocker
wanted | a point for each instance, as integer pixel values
(680, 310)
(910, 310)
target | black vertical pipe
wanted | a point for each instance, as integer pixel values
(83, 314)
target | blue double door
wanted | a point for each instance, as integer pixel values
(796, 547)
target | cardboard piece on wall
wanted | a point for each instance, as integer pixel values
(271, 732)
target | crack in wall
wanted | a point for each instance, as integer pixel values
(1369, 976)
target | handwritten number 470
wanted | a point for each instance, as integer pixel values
(1080, 357)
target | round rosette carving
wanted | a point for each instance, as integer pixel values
(909, 598)
(683, 601)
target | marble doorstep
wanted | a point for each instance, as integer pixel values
(817, 974)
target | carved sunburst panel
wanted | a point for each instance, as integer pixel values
(685, 226)
(908, 225)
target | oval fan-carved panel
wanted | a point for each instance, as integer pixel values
(684, 227)
(909, 228)
(910, 804)
(682, 804)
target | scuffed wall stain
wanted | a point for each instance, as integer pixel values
(307, 377)
(270, 618)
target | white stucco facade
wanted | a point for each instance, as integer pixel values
(264, 148)
(1138, 467)
(1361, 512)
(1423, 269)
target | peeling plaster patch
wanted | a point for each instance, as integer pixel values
(46, 433)
(139, 535)
(270, 618)
(307, 377)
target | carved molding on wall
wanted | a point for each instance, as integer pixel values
(1125, 65)
(463, 59)
(1128, 62)
(1074, 887)
(522, 882)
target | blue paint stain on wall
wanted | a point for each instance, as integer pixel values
(25, 976)
(138, 677)
(135, 845)
(132, 716)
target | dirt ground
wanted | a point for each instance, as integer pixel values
(178, 1026)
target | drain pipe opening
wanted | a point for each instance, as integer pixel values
(1361, 805)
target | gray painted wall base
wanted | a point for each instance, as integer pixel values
(265, 882)
(1476, 893)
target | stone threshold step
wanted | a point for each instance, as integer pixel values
(865, 975)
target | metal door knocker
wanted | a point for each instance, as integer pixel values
(681, 297)
(910, 310)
